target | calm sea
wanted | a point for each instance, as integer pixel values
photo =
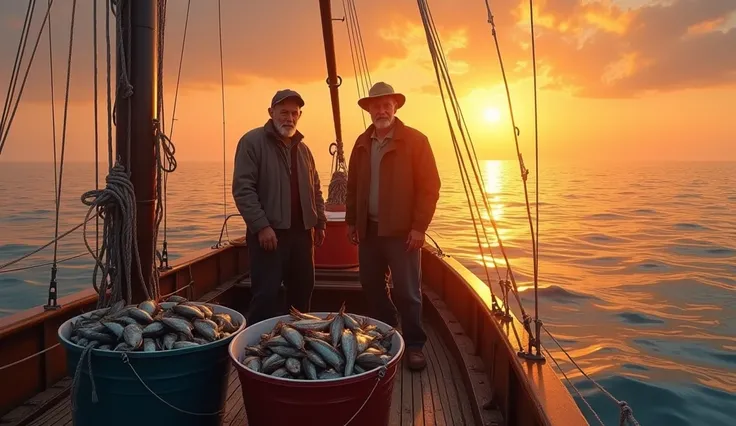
(637, 264)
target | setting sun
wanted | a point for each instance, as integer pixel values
(492, 115)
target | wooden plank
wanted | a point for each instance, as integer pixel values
(406, 400)
(395, 416)
(427, 404)
(417, 400)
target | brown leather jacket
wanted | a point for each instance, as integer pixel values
(409, 183)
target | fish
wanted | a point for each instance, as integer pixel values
(149, 344)
(293, 336)
(293, 366)
(150, 326)
(309, 369)
(176, 299)
(349, 349)
(272, 363)
(336, 328)
(206, 328)
(154, 329)
(184, 344)
(133, 335)
(327, 352)
(149, 306)
(140, 315)
(287, 351)
(281, 372)
(179, 325)
(188, 311)
(301, 347)
(311, 324)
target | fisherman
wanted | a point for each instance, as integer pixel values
(393, 188)
(277, 190)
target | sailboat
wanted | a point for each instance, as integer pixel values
(478, 371)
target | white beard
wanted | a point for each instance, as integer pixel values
(286, 131)
(383, 123)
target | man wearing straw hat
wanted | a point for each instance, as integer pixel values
(393, 188)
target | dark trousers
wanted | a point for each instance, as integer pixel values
(377, 255)
(291, 263)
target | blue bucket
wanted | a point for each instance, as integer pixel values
(185, 386)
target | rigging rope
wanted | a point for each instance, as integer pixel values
(442, 74)
(6, 121)
(224, 143)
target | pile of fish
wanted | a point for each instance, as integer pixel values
(312, 348)
(151, 326)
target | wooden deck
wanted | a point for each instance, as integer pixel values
(435, 396)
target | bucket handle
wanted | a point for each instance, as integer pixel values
(126, 360)
(381, 374)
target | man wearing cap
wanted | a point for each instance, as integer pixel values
(277, 190)
(393, 188)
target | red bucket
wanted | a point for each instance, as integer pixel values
(336, 252)
(273, 400)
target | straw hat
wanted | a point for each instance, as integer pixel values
(379, 90)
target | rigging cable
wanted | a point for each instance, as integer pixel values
(97, 134)
(6, 121)
(524, 171)
(442, 73)
(164, 250)
(224, 145)
(51, 303)
(359, 86)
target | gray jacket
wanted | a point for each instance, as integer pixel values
(261, 181)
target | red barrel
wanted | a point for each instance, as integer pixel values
(271, 400)
(336, 252)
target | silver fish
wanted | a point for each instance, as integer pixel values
(181, 344)
(327, 352)
(133, 335)
(176, 299)
(255, 350)
(179, 325)
(154, 329)
(287, 351)
(336, 328)
(206, 310)
(92, 335)
(310, 324)
(349, 349)
(166, 306)
(358, 369)
(293, 366)
(281, 372)
(309, 369)
(275, 341)
(206, 328)
(125, 320)
(168, 340)
(351, 322)
(316, 359)
(149, 306)
(319, 335)
(123, 347)
(188, 311)
(254, 364)
(200, 341)
(272, 363)
(364, 340)
(370, 360)
(329, 374)
(293, 336)
(115, 328)
(140, 315)
(149, 344)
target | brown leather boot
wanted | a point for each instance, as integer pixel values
(416, 361)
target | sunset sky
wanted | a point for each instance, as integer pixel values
(618, 79)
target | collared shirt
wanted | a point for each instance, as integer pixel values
(377, 145)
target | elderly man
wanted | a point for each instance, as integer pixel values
(277, 190)
(393, 188)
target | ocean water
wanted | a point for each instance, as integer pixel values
(637, 265)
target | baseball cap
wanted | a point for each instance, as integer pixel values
(281, 95)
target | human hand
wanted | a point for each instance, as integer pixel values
(319, 237)
(353, 235)
(267, 238)
(415, 240)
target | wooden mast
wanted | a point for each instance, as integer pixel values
(135, 123)
(333, 80)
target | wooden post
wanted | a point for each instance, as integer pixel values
(332, 78)
(135, 137)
